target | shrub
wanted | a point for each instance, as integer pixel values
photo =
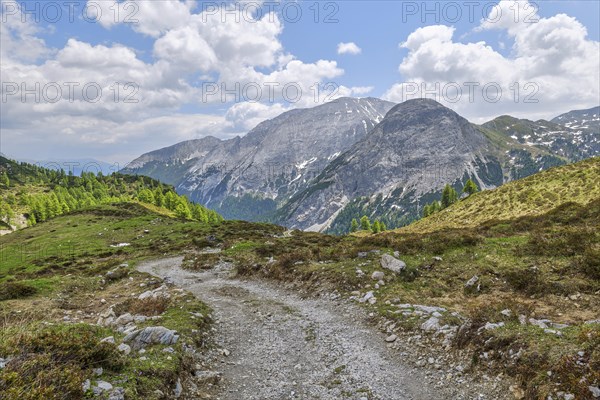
(589, 263)
(15, 290)
(528, 281)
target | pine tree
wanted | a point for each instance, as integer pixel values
(376, 227)
(354, 225)
(365, 224)
(470, 187)
(383, 226)
(449, 196)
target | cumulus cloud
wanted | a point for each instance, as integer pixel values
(348, 48)
(142, 97)
(553, 66)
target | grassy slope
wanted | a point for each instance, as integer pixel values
(57, 269)
(533, 195)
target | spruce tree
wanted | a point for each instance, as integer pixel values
(470, 187)
(365, 224)
(376, 227)
(449, 196)
(354, 225)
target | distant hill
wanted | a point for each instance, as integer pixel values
(32, 194)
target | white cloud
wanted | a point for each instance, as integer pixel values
(187, 45)
(348, 48)
(552, 61)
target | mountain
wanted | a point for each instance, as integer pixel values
(319, 168)
(418, 148)
(249, 177)
(574, 135)
(585, 120)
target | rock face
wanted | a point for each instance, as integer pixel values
(404, 163)
(139, 339)
(269, 164)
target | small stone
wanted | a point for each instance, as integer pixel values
(178, 388)
(506, 312)
(85, 386)
(432, 324)
(595, 391)
(471, 282)
(109, 339)
(391, 338)
(124, 348)
(377, 275)
(98, 371)
(103, 385)
(225, 352)
(208, 377)
(437, 259)
(117, 394)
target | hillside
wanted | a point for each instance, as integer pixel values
(534, 195)
(518, 297)
(32, 194)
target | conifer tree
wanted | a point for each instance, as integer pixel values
(470, 187)
(354, 225)
(449, 196)
(365, 224)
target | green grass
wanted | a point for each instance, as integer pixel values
(533, 195)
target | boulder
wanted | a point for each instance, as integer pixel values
(124, 319)
(392, 264)
(151, 335)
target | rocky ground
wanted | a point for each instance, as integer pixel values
(274, 344)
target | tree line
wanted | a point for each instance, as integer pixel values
(48, 193)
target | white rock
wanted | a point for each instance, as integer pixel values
(109, 339)
(432, 324)
(104, 385)
(377, 275)
(391, 338)
(125, 348)
(392, 264)
(595, 391)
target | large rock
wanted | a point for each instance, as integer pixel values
(151, 335)
(392, 264)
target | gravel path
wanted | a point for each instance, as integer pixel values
(285, 347)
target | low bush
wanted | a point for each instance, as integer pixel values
(15, 290)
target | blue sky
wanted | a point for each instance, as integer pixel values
(174, 48)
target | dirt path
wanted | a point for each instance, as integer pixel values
(285, 347)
